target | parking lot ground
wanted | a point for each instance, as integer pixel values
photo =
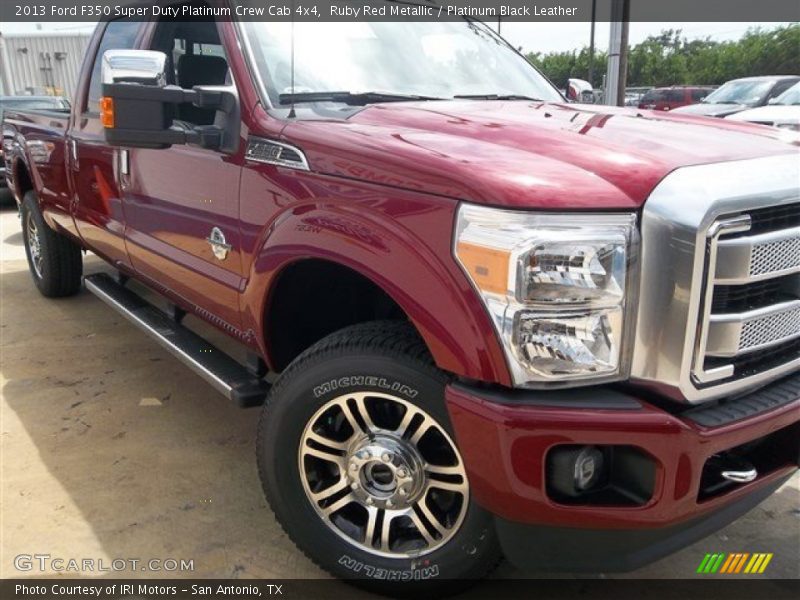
(111, 448)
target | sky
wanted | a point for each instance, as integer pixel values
(532, 37)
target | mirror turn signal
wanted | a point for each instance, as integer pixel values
(107, 112)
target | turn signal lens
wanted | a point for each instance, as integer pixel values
(488, 267)
(107, 112)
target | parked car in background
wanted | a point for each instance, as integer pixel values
(670, 98)
(580, 90)
(34, 102)
(783, 111)
(26, 102)
(633, 95)
(740, 94)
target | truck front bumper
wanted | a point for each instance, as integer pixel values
(505, 437)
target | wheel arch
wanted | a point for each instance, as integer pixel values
(390, 261)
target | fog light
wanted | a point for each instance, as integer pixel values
(574, 470)
(588, 467)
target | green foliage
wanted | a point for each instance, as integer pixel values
(670, 59)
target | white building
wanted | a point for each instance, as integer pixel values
(41, 62)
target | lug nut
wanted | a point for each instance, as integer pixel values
(386, 457)
(389, 504)
(354, 485)
(363, 455)
(353, 467)
(402, 473)
(368, 500)
(402, 491)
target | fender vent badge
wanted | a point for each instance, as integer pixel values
(275, 153)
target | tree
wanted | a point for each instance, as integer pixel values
(670, 59)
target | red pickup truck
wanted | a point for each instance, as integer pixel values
(481, 321)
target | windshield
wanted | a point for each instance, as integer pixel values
(437, 60)
(740, 92)
(790, 96)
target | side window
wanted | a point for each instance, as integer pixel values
(659, 96)
(675, 96)
(781, 87)
(119, 34)
(196, 57)
(698, 95)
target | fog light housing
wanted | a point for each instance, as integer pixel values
(588, 475)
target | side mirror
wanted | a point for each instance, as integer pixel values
(138, 109)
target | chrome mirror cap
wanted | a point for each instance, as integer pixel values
(145, 67)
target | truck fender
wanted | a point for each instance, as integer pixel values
(425, 283)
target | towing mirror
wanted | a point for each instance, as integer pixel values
(138, 109)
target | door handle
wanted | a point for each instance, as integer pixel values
(73, 149)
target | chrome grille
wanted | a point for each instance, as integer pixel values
(719, 286)
(739, 261)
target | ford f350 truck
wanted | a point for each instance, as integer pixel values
(482, 321)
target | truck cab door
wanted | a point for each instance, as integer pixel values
(93, 164)
(182, 203)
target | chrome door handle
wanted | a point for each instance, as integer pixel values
(219, 246)
(73, 146)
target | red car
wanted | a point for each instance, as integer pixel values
(495, 323)
(669, 98)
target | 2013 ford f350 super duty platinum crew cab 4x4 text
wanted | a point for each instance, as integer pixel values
(494, 323)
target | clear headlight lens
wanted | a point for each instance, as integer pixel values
(556, 286)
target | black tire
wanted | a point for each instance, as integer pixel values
(393, 353)
(58, 272)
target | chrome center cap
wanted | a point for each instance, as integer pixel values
(385, 471)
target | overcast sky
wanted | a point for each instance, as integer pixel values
(533, 37)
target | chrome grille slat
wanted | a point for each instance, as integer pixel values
(770, 330)
(776, 257)
(731, 334)
(758, 257)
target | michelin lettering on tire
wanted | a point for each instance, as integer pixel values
(369, 381)
(425, 570)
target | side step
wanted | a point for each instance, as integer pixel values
(217, 368)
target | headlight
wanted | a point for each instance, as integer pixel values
(556, 287)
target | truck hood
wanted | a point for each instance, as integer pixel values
(711, 110)
(524, 154)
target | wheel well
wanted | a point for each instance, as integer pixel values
(314, 298)
(22, 180)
